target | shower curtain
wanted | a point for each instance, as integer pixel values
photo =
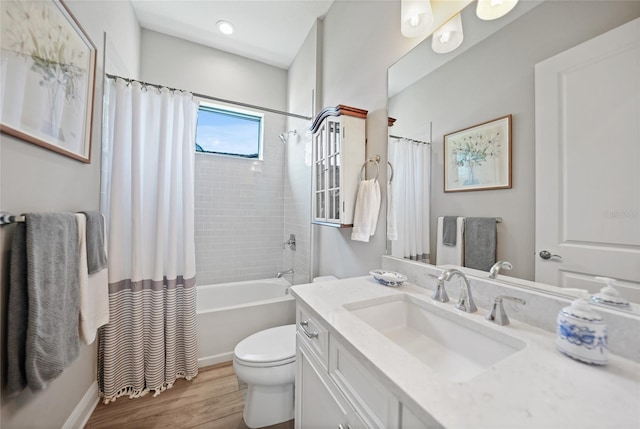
(147, 197)
(410, 186)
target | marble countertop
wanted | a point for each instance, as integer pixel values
(536, 387)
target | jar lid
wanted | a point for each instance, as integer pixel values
(581, 309)
(609, 295)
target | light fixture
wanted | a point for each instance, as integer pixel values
(416, 17)
(494, 9)
(448, 37)
(225, 27)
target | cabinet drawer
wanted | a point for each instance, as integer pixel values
(373, 401)
(314, 335)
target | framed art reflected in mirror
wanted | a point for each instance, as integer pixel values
(478, 157)
(48, 77)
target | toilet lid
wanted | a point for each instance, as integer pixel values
(274, 345)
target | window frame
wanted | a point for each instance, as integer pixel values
(232, 111)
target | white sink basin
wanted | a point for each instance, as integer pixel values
(455, 347)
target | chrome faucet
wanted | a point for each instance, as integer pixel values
(497, 314)
(495, 269)
(283, 273)
(440, 294)
(465, 301)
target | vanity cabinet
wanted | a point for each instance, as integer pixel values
(334, 389)
(338, 147)
(318, 402)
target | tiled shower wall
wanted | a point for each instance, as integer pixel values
(240, 212)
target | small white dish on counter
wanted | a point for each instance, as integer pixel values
(388, 278)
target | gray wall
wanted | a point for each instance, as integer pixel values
(302, 85)
(492, 79)
(361, 39)
(33, 179)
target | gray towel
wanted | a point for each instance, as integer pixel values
(52, 341)
(96, 256)
(480, 242)
(17, 307)
(449, 230)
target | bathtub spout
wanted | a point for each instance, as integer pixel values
(282, 273)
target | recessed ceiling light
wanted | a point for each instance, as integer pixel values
(225, 27)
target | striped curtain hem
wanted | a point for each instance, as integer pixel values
(151, 339)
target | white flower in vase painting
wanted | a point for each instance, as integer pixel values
(36, 34)
(472, 150)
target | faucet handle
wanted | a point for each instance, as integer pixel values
(497, 314)
(440, 294)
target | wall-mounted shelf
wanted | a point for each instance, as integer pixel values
(339, 138)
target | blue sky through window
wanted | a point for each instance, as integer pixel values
(228, 132)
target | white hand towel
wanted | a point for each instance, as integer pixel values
(94, 290)
(392, 226)
(365, 219)
(452, 255)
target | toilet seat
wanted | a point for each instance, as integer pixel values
(268, 348)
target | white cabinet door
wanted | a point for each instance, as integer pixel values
(327, 163)
(317, 407)
(588, 163)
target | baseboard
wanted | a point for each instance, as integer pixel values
(214, 359)
(82, 412)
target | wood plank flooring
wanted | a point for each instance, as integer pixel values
(212, 400)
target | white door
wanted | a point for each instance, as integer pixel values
(588, 163)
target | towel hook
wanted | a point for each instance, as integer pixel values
(374, 160)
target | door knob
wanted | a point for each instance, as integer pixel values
(547, 255)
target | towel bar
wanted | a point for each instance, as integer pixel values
(7, 218)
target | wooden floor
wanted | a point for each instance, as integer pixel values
(212, 400)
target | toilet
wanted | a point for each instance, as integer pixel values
(266, 361)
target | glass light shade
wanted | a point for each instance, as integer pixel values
(448, 37)
(494, 9)
(416, 17)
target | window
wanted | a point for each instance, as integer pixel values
(226, 131)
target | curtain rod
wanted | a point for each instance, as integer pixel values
(411, 140)
(209, 97)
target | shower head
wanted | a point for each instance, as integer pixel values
(285, 136)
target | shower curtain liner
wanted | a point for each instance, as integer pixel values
(411, 183)
(147, 197)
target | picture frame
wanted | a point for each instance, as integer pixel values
(48, 77)
(478, 158)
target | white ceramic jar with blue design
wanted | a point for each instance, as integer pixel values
(582, 333)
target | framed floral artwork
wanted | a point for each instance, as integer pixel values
(479, 157)
(47, 77)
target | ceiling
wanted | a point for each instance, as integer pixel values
(269, 31)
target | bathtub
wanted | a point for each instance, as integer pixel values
(229, 312)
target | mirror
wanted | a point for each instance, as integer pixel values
(491, 75)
